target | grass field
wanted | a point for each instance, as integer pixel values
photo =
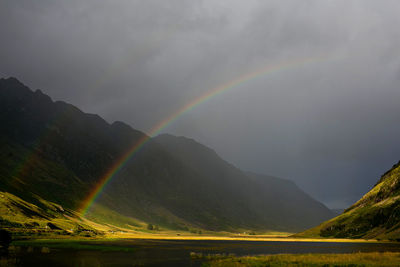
(29, 221)
(355, 259)
(174, 235)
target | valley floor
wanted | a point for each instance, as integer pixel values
(175, 235)
(230, 237)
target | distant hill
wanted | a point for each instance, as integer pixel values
(255, 199)
(375, 215)
(52, 152)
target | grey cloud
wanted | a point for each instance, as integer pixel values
(331, 126)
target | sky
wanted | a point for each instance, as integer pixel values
(331, 124)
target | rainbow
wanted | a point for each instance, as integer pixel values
(91, 198)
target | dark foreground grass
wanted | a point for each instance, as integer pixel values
(372, 259)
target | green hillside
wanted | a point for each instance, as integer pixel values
(46, 219)
(375, 215)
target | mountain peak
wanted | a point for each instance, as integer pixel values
(15, 87)
(13, 84)
(11, 80)
(121, 126)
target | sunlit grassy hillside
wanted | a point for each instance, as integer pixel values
(47, 219)
(375, 215)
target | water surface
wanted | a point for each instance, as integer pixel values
(172, 252)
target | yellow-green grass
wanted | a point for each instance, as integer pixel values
(353, 259)
(105, 216)
(16, 210)
(188, 236)
(32, 223)
(27, 220)
(375, 215)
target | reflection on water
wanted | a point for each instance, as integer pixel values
(172, 252)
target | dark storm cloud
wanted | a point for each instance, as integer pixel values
(331, 126)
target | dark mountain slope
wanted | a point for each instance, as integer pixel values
(55, 151)
(53, 145)
(284, 201)
(265, 200)
(375, 215)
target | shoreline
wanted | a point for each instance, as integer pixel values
(127, 237)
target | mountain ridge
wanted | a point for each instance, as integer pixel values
(54, 145)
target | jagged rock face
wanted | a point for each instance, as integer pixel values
(56, 151)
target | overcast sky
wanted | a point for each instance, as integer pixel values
(331, 125)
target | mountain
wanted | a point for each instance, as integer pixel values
(52, 152)
(375, 215)
(261, 199)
